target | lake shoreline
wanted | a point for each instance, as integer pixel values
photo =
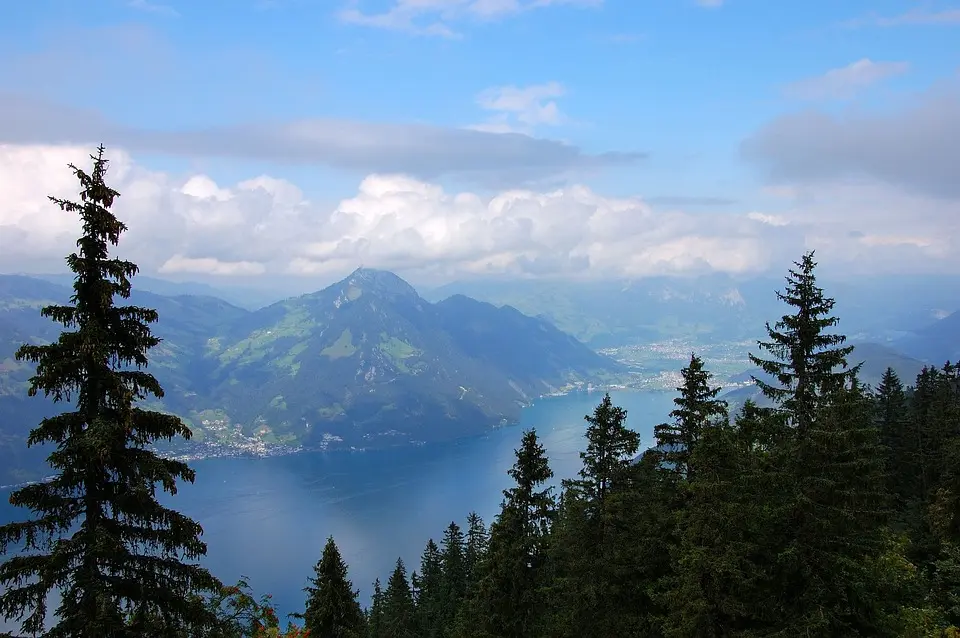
(228, 452)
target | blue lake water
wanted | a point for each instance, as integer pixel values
(268, 519)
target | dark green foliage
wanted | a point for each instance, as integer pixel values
(806, 358)
(399, 613)
(509, 601)
(697, 408)
(431, 613)
(100, 536)
(375, 621)
(332, 607)
(454, 573)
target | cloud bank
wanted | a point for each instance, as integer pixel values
(424, 151)
(265, 228)
(915, 147)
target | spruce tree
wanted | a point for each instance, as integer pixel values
(806, 358)
(399, 613)
(454, 572)
(476, 547)
(697, 408)
(610, 448)
(100, 537)
(375, 624)
(430, 609)
(509, 601)
(332, 606)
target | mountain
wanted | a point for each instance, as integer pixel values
(249, 298)
(365, 362)
(711, 308)
(936, 342)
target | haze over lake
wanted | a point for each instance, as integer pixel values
(267, 519)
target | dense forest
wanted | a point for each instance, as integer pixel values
(832, 513)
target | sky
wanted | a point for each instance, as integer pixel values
(288, 142)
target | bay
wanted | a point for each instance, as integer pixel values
(268, 518)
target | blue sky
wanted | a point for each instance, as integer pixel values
(705, 106)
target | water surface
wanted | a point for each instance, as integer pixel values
(268, 519)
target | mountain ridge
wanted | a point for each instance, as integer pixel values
(364, 362)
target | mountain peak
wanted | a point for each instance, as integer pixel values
(382, 282)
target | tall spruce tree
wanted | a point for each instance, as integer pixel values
(430, 608)
(399, 613)
(375, 624)
(100, 537)
(475, 549)
(610, 449)
(332, 606)
(806, 357)
(697, 408)
(509, 601)
(454, 577)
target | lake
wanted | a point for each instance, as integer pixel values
(268, 518)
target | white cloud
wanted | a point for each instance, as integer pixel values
(520, 109)
(265, 227)
(434, 17)
(845, 82)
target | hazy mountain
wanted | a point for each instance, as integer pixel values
(936, 342)
(711, 308)
(249, 298)
(364, 362)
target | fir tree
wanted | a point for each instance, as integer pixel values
(332, 606)
(697, 408)
(101, 538)
(399, 613)
(476, 547)
(430, 609)
(375, 624)
(509, 603)
(454, 575)
(834, 529)
(610, 448)
(806, 358)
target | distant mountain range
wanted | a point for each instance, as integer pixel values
(714, 308)
(365, 362)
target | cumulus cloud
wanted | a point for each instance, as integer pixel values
(421, 150)
(435, 17)
(520, 109)
(915, 147)
(266, 228)
(845, 82)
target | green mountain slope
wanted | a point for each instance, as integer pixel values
(365, 362)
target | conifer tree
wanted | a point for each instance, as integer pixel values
(100, 537)
(332, 606)
(454, 575)
(893, 422)
(476, 547)
(375, 624)
(697, 408)
(430, 609)
(509, 603)
(835, 527)
(399, 613)
(806, 358)
(610, 448)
